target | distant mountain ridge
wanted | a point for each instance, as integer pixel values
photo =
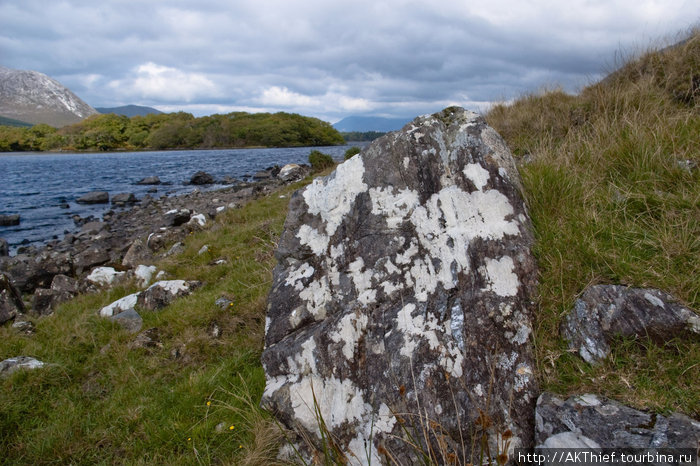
(364, 123)
(129, 110)
(33, 97)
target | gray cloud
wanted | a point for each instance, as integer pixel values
(327, 59)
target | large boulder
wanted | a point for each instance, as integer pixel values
(402, 301)
(10, 300)
(604, 311)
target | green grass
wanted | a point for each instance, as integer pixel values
(101, 402)
(612, 203)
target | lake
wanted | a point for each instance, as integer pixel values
(34, 185)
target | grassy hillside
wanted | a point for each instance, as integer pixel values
(613, 186)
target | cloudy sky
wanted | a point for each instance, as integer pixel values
(327, 58)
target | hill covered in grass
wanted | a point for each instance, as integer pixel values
(612, 183)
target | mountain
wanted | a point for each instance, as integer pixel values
(33, 97)
(362, 123)
(129, 110)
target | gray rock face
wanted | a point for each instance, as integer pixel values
(604, 311)
(404, 289)
(162, 293)
(94, 197)
(10, 300)
(591, 421)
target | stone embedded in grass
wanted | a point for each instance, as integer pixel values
(120, 305)
(130, 320)
(10, 365)
(144, 274)
(405, 284)
(162, 293)
(604, 311)
(608, 424)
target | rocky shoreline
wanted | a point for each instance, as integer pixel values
(123, 240)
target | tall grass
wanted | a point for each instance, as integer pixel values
(612, 182)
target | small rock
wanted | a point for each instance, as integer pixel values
(177, 248)
(201, 178)
(144, 274)
(8, 366)
(137, 254)
(591, 420)
(149, 180)
(198, 220)
(89, 258)
(4, 248)
(9, 220)
(120, 305)
(223, 303)
(162, 293)
(65, 284)
(175, 217)
(604, 311)
(291, 172)
(10, 300)
(203, 250)
(263, 175)
(105, 276)
(93, 228)
(214, 330)
(24, 326)
(124, 199)
(94, 197)
(147, 339)
(44, 302)
(130, 320)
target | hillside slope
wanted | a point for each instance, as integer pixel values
(33, 97)
(613, 186)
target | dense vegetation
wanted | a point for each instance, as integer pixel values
(612, 182)
(360, 136)
(174, 131)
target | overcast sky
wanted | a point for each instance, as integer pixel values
(327, 58)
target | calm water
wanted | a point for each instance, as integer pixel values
(34, 185)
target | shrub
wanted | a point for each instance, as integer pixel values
(352, 151)
(320, 161)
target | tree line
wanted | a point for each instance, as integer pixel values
(173, 131)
